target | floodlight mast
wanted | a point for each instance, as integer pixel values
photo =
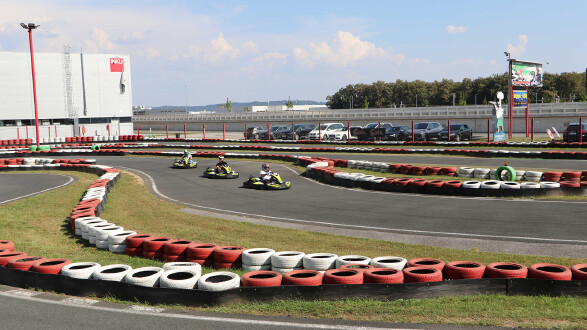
(30, 27)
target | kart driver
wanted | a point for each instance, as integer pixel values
(265, 174)
(187, 156)
(220, 166)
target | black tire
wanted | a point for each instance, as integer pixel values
(457, 138)
(297, 137)
(325, 137)
(344, 138)
(424, 137)
(255, 136)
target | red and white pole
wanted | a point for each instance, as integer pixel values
(412, 130)
(348, 133)
(245, 131)
(268, 133)
(34, 82)
(293, 131)
(449, 130)
(319, 132)
(18, 133)
(185, 131)
(49, 129)
(204, 130)
(55, 130)
(138, 129)
(580, 129)
(167, 131)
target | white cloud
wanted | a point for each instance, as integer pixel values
(250, 47)
(151, 52)
(271, 59)
(99, 41)
(135, 37)
(451, 29)
(343, 50)
(220, 49)
(520, 48)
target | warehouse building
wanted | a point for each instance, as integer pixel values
(77, 95)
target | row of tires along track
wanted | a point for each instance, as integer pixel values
(184, 258)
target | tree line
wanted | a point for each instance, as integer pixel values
(563, 87)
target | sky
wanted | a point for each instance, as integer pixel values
(208, 51)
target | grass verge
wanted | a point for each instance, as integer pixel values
(38, 226)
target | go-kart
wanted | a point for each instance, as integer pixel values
(184, 163)
(276, 183)
(225, 173)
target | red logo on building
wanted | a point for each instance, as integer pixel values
(117, 64)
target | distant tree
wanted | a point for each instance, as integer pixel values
(289, 103)
(365, 103)
(228, 105)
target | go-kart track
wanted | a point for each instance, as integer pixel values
(540, 227)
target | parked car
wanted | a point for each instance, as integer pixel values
(426, 131)
(571, 134)
(274, 132)
(397, 133)
(372, 131)
(252, 132)
(324, 130)
(458, 132)
(301, 132)
(343, 134)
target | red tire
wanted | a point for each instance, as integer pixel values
(261, 278)
(4, 250)
(134, 252)
(570, 184)
(228, 254)
(9, 245)
(343, 276)
(135, 241)
(506, 270)
(173, 257)
(383, 275)
(23, 263)
(552, 176)
(421, 274)
(457, 270)
(417, 182)
(571, 176)
(155, 243)
(448, 171)
(550, 272)
(359, 267)
(5, 256)
(302, 277)
(426, 262)
(155, 255)
(50, 266)
(579, 272)
(453, 184)
(402, 182)
(405, 169)
(432, 170)
(228, 265)
(176, 247)
(417, 170)
(203, 262)
(435, 183)
(201, 251)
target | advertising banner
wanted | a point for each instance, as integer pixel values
(116, 64)
(520, 98)
(526, 74)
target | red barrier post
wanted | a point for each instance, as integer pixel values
(488, 130)
(167, 131)
(204, 131)
(108, 128)
(138, 129)
(449, 130)
(18, 133)
(245, 131)
(319, 132)
(55, 130)
(268, 133)
(412, 130)
(27, 131)
(348, 127)
(379, 127)
(581, 130)
(185, 131)
(223, 131)
(532, 130)
(49, 129)
(79, 131)
(293, 131)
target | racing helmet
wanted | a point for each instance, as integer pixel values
(185, 151)
(220, 158)
(265, 167)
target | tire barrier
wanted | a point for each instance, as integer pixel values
(261, 278)
(506, 270)
(7, 245)
(202, 253)
(540, 281)
(180, 278)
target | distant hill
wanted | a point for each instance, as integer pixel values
(236, 106)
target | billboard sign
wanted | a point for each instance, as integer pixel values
(526, 74)
(520, 98)
(116, 64)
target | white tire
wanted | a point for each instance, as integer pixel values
(471, 184)
(490, 184)
(93, 227)
(179, 278)
(285, 270)
(92, 240)
(117, 248)
(78, 223)
(257, 256)
(144, 276)
(253, 268)
(120, 237)
(103, 233)
(85, 224)
(549, 185)
(102, 244)
(219, 281)
(466, 172)
(191, 266)
(319, 261)
(530, 185)
(352, 259)
(287, 259)
(80, 269)
(115, 272)
(392, 262)
(534, 173)
(481, 173)
(510, 185)
(351, 164)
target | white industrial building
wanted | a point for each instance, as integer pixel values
(283, 107)
(87, 94)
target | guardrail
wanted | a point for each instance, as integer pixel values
(574, 109)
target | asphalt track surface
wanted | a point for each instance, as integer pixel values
(14, 185)
(555, 228)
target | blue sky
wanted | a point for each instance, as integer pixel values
(271, 50)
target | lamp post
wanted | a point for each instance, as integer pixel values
(30, 27)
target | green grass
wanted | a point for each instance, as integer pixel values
(38, 225)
